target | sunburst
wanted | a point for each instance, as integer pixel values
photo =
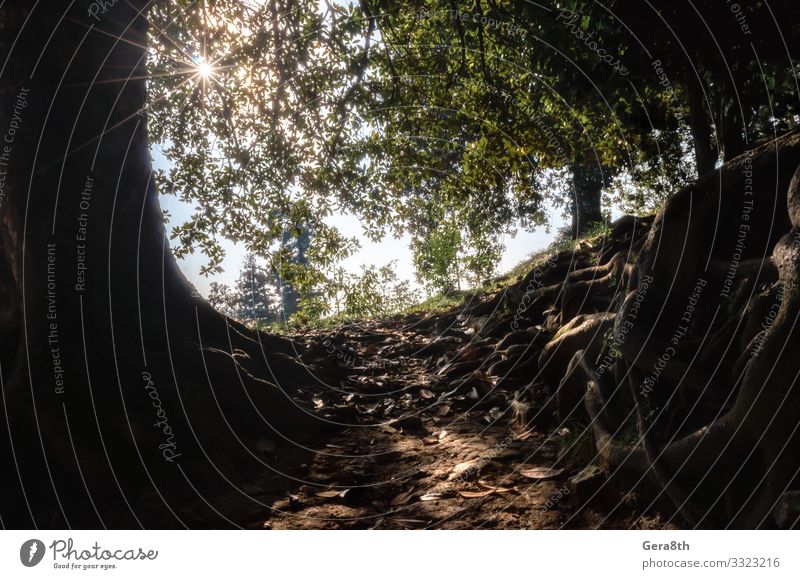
(205, 70)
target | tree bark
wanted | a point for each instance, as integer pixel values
(586, 210)
(123, 382)
(730, 128)
(701, 128)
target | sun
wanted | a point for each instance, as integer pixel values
(205, 70)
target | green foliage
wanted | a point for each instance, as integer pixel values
(243, 101)
(454, 122)
(222, 298)
(375, 292)
(255, 298)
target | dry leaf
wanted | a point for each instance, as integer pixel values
(431, 497)
(402, 498)
(328, 494)
(525, 435)
(487, 490)
(476, 494)
(494, 488)
(541, 472)
(426, 394)
(468, 354)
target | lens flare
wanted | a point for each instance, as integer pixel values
(204, 69)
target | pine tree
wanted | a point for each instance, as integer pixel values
(255, 298)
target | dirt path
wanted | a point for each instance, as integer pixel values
(433, 442)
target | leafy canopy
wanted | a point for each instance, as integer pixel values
(450, 121)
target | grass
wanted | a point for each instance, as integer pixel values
(592, 236)
(289, 327)
(438, 303)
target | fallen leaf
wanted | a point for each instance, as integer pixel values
(494, 488)
(402, 498)
(431, 497)
(525, 435)
(328, 494)
(541, 472)
(476, 494)
(467, 354)
(426, 394)
(496, 413)
(444, 410)
(487, 490)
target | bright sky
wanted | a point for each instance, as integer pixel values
(516, 248)
(378, 254)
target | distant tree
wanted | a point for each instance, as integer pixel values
(222, 298)
(374, 292)
(436, 258)
(295, 245)
(255, 298)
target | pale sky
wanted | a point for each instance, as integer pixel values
(516, 249)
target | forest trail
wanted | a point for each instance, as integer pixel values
(449, 425)
(441, 445)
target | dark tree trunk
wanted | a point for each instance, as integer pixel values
(586, 209)
(701, 126)
(118, 379)
(730, 129)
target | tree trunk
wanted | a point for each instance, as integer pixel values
(121, 382)
(730, 129)
(587, 180)
(705, 158)
(290, 297)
